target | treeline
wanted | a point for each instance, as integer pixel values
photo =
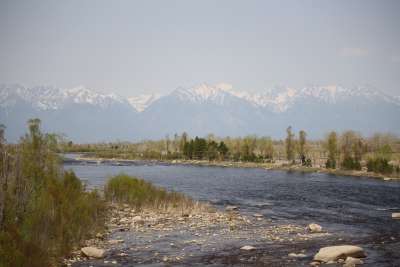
(44, 211)
(347, 151)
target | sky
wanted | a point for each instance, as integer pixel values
(135, 47)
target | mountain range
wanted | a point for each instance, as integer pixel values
(84, 115)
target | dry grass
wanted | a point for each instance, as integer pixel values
(124, 189)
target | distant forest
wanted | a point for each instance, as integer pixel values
(348, 150)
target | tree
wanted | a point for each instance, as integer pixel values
(167, 143)
(222, 150)
(183, 141)
(266, 148)
(212, 150)
(199, 148)
(188, 149)
(290, 144)
(247, 148)
(352, 150)
(331, 146)
(302, 144)
(2, 134)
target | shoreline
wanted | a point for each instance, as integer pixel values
(230, 164)
(154, 237)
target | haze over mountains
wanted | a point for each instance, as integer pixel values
(84, 115)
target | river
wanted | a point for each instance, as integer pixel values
(357, 210)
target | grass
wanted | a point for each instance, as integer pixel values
(142, 194)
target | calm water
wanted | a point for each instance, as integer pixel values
(357, 208)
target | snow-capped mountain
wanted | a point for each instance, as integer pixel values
(50, 98)
(204, 93)
(85, 115)
(141, 102)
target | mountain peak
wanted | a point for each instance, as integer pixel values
(49, 97)
(86, 114)
(141, 102)
(204, 93)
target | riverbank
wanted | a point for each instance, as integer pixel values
(152, 237)
(355, 212)
(281, 166)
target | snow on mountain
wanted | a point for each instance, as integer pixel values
(82, 95)
(277, 99)
(141, 102)
(204, 93)
(86, 115)
(282, 98)
(52, 98)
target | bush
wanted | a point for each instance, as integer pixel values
(330, 164)
(140, 193)
(380, 165)
(350, 163)
(308, 163)
(45, 210)
(57, 218)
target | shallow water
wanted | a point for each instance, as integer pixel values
(356, 209)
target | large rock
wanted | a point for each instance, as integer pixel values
(314, 228)
(248, 248)
(93, 252)
(334, 253)
(396, 215)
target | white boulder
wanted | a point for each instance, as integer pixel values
(248, 248)
(93, 252)
(396, 215)
(334, 253)
(314, 228)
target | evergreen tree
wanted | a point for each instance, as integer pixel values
(212, 150)
(222, 150)
(331, 146)
(302, 144)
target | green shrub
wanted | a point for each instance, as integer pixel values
(140, 193)
(380, 165)
(349, 163)
(330, 164)
(46, 211)
(308, 163)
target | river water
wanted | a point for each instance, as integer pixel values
(356, 209)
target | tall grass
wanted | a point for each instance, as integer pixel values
(44, 211)
(142, 194)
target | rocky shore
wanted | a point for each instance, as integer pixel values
(156, 238)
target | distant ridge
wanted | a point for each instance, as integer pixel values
(88, 116)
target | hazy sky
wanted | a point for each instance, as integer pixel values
(132, 47)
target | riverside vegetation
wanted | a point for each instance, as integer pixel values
(346, 153)
(46, 212)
